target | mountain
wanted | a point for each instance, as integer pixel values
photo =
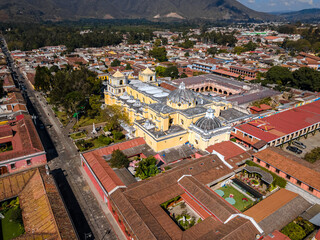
(306, 15)
(56, 10)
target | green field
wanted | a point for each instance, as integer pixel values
(238, 196)
(9, 228)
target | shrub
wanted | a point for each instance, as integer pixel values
(117, 135)
(105, 140)
(147, 168)
(167, 203)
(313, 155)
(294, 231)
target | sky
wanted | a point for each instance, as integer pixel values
(280, 5)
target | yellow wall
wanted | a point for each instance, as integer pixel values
(163, 142)
(198, 142)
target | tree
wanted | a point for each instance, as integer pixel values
(183, 75)
(238, 50)
(187, 44)
(172, 72)
(160, 71)
(94, 102)
(159, 53)
(128, 66)
(164, 41)
(114, 115)
(115, 63)
(42, 79)
(279, 75)
(307, 79)
(187, 54)
(147, 168)
(157, 42)
(294, 231)
(250, 46)
(119, 159)
(212, 51)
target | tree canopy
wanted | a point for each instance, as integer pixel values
(147, 168)
(172, 72)
(303, 78)
(159, 53)
(119, 159)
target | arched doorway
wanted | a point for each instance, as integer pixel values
(220, 91)
(202, 89)
(3, 170)
(225, 92)
(197, 90)
(215, 90)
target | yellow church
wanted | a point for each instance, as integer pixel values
(167, 119)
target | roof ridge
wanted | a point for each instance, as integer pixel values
(49, 204)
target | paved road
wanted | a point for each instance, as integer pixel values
(64, 161)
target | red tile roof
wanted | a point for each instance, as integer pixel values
(284, 162)
(277, 236)
(107, 177)
(270, 205)
(228, 149)
(25, 140)
(265, 107)
(195, 206)
(284, 123)
(167, 86)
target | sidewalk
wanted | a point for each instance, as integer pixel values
(103, 206)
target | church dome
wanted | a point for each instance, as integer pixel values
(182, 95)
(208, 122)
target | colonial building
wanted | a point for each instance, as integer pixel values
(167, 118)
(279, 128)
(20, 145)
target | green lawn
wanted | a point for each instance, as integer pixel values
(78, 135)
(240, 205)
(86, 121)
(10, 229)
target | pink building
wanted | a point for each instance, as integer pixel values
(287, 166)
(20, 145)
(103, 177)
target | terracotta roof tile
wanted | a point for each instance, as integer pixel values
(281, 160)
(228, 149)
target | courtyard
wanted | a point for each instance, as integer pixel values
(235, 198)
(181, 213)
(11, 220)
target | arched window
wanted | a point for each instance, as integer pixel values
(121, 82)
(182, 122)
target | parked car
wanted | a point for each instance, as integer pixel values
(299, 144)
(294, 149)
